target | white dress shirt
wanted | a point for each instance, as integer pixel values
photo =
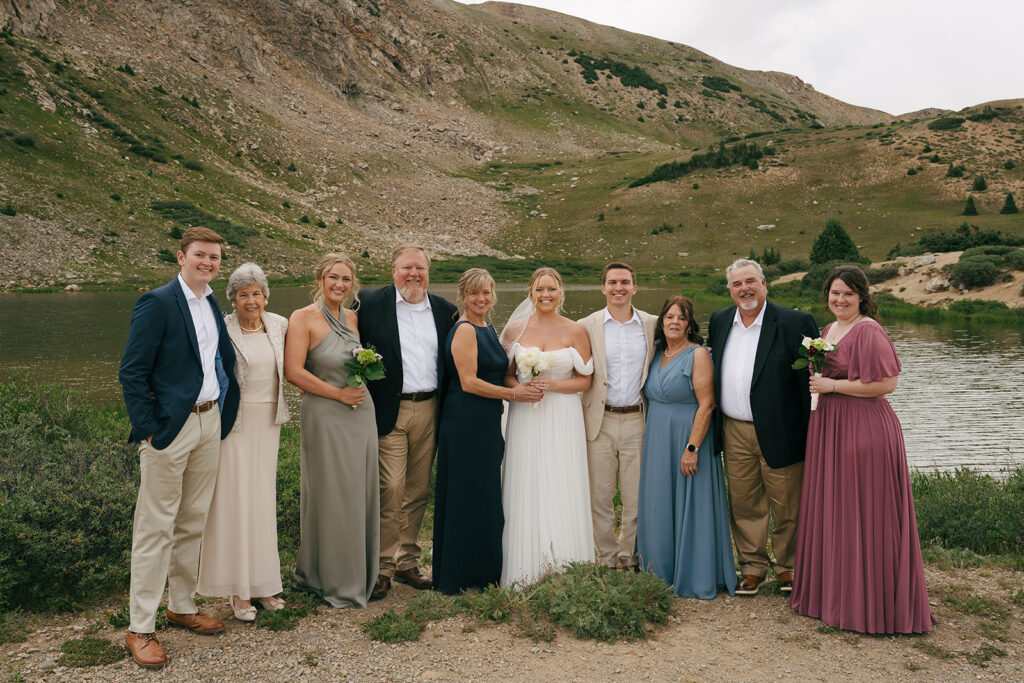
(625, 350)
(417, 337)
(208, 337)
(738, 367)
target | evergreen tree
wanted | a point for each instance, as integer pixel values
(979, 184)
(1009, 206)
(834, 244)
(969, 208)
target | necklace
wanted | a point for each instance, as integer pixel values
(673, 355)
(255, 329)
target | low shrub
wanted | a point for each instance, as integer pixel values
(67, 488)
(192, 165)
(24, 140)
(793, 266)
(946, 123)
(882, 273)
(973, 272)
(968, 509)
(813, 282)
(13, 627)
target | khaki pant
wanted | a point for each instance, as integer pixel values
(174, 497)
(406, 455)
(754, 490)
(615, 451)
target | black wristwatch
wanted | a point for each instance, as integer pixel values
(691, 448)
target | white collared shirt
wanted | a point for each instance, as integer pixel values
(625, 350)
(738, 366)
(417, 336)
(208, 337)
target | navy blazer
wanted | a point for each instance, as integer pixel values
(779, 397)
(161, 374)
(378, 327)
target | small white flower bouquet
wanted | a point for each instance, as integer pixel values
(532, 361)
(812, 354)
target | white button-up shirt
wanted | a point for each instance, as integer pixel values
(417, 337)
(625, 350)
(738, 367)
(208, 337)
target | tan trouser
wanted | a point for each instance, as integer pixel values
(406, 455)
(615, 451)
(174, 497)
(754, 489)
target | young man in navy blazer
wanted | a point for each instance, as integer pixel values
(177, 376)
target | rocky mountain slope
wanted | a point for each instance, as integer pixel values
(494, 129)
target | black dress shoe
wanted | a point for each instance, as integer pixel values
(381, 588)
(414, 577)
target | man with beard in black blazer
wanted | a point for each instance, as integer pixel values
(408, 327)
(761, 421)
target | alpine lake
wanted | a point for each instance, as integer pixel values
(960, 397)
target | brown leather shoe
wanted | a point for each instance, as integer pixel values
(786, 582)
(197, 623)
(381, 588)
(145, 650)
(749, 584)
(413, 577)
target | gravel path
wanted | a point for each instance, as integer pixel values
(733, 638)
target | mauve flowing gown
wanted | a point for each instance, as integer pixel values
(858, 557)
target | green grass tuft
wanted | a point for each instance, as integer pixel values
(13, 627)
(89, 651)
(392, 628)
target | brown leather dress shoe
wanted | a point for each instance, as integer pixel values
(381, 588)
(786, 582)
(414, 577)
(749, 584)
(197, 623)
(145, 650)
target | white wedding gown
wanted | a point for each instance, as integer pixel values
(545, 489)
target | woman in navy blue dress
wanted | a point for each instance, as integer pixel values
(683, 522)
(468, 518)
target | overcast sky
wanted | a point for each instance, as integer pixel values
(895, 55)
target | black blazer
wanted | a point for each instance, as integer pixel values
(378, 327)
(779, 397)
(161, 374)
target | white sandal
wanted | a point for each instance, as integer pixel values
(271, 603)
(243, 613)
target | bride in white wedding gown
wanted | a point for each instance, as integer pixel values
(545, 488)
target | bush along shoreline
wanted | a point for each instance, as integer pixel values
(68, 486)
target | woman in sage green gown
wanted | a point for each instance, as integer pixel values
(339, 503)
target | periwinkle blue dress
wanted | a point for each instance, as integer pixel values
(682, 522)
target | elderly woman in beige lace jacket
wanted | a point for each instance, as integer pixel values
(239, 552)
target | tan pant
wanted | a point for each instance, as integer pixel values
(174, 497)
(754, 490)
(615, 451)
(406, 455)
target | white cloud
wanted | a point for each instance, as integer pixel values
(894, 55)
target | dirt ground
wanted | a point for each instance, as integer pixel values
(910, 284)
(980, 636)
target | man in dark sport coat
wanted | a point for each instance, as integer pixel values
(761, 421)
(409, 328)
(177, 376)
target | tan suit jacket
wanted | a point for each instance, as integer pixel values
(276, 327)
(593, 398)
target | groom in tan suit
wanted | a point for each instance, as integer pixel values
(622, 341)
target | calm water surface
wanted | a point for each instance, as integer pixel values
(960, 397)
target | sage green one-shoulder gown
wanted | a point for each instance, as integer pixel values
(339, 503)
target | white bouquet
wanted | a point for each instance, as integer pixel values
(812, 354)
(532, 361)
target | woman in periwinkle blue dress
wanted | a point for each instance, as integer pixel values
(683, 522)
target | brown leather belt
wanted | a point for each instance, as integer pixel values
(623, 409)
(203, 407)
(419, 396)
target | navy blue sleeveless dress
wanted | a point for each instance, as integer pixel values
(468, 519)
